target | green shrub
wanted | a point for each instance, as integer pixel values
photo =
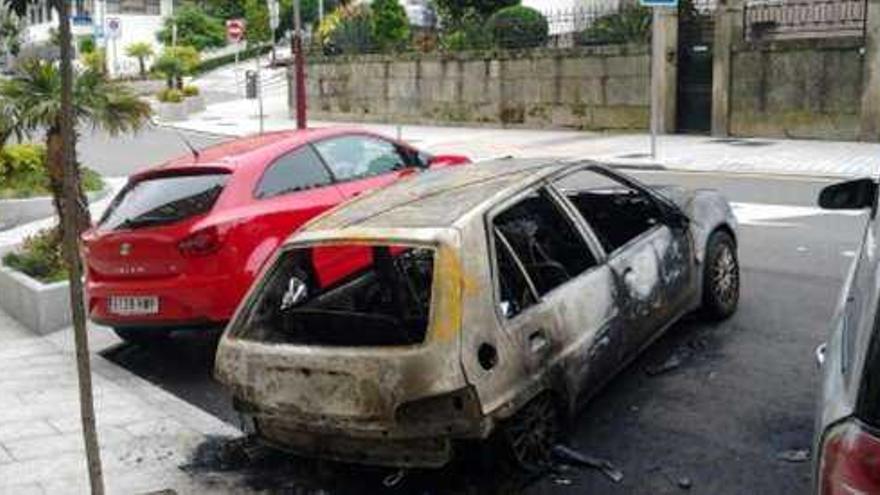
(347, 30)
(23, 173)
(170, 95)
(213, 63)
(175, 62)
(40, 257)
(86, 44)
(96, 61)
(630, 25)
(190, 90)
(194, 28)
(518, 27)
(390, 25)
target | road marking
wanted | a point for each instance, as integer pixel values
(769, 215)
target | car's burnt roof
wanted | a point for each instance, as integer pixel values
(437, 198)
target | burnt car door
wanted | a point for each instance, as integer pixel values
(650, 255)
(553, 294)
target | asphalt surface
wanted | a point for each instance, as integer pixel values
(737, 395)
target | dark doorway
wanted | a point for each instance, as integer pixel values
(696, 28)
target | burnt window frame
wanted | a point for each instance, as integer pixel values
(236, 326)
(663, 205)
(255, 193)
(565, 209)
(410, 156)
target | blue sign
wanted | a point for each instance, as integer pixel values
(659, 3)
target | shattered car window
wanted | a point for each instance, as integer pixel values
(350, 295)
(545, 241)
(515, 292)
(616, 212)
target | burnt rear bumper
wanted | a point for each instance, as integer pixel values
(394, 452)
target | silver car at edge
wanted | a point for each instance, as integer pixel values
(463, 304)
(847, 434)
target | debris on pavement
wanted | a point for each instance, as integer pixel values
(394, 478)
(671, 363)
(794, 456)
(567, 455)
(685, 483)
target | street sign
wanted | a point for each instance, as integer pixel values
(235, 30)
(113, 28)
(659, 3)
(274, 14)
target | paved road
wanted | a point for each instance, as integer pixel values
(122, 155)
(743, 393)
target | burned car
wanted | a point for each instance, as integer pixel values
(463, 304)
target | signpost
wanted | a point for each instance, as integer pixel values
(657, 55)
(235, 29)
(113, 31)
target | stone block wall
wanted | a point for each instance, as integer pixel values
(595, 88)
(798, 89)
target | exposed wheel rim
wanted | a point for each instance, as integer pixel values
(533, 434)
(725, 276)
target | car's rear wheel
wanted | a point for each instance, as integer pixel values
(530, 435)
(721, 278)
(142, 336)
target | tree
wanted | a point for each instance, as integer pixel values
(175, 62)
(257, 21)
(518, 27)
(194, 28)
(452, 12)
(12, 29)
(389, 24)
(141, 51)
(72, 215)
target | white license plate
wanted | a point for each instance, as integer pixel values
(128, 306)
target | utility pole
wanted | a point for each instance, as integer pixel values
(299, 74)
(74, 218)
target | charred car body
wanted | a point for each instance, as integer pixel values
(463, 303)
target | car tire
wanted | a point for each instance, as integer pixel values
(528, 437)
(142, 336)
(721, 277)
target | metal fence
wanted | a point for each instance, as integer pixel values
(803, 19)
(600, 22)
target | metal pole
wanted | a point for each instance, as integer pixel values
(259, 90)
(237, 69)
(320, 11)
(656, 54)
(299, 68)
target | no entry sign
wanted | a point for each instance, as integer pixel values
(235, 30)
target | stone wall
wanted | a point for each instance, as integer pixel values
(800, 89)
(594, 88)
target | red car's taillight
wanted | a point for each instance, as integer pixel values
(850, 462)
(201, 243)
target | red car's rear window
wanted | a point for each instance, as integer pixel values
(163, 200)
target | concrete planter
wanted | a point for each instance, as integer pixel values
(195, 104)
(43, 308)
(18, 211)
(173, 112)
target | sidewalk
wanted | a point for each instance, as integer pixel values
(691, 153)
(146, 434)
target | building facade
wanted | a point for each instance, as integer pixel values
(114, 24)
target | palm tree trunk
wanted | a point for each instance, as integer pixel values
(142, 67)
(72, 220)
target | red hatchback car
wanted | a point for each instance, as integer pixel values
(182, 242)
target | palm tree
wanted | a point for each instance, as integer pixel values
(34, 97)
(141, 51)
